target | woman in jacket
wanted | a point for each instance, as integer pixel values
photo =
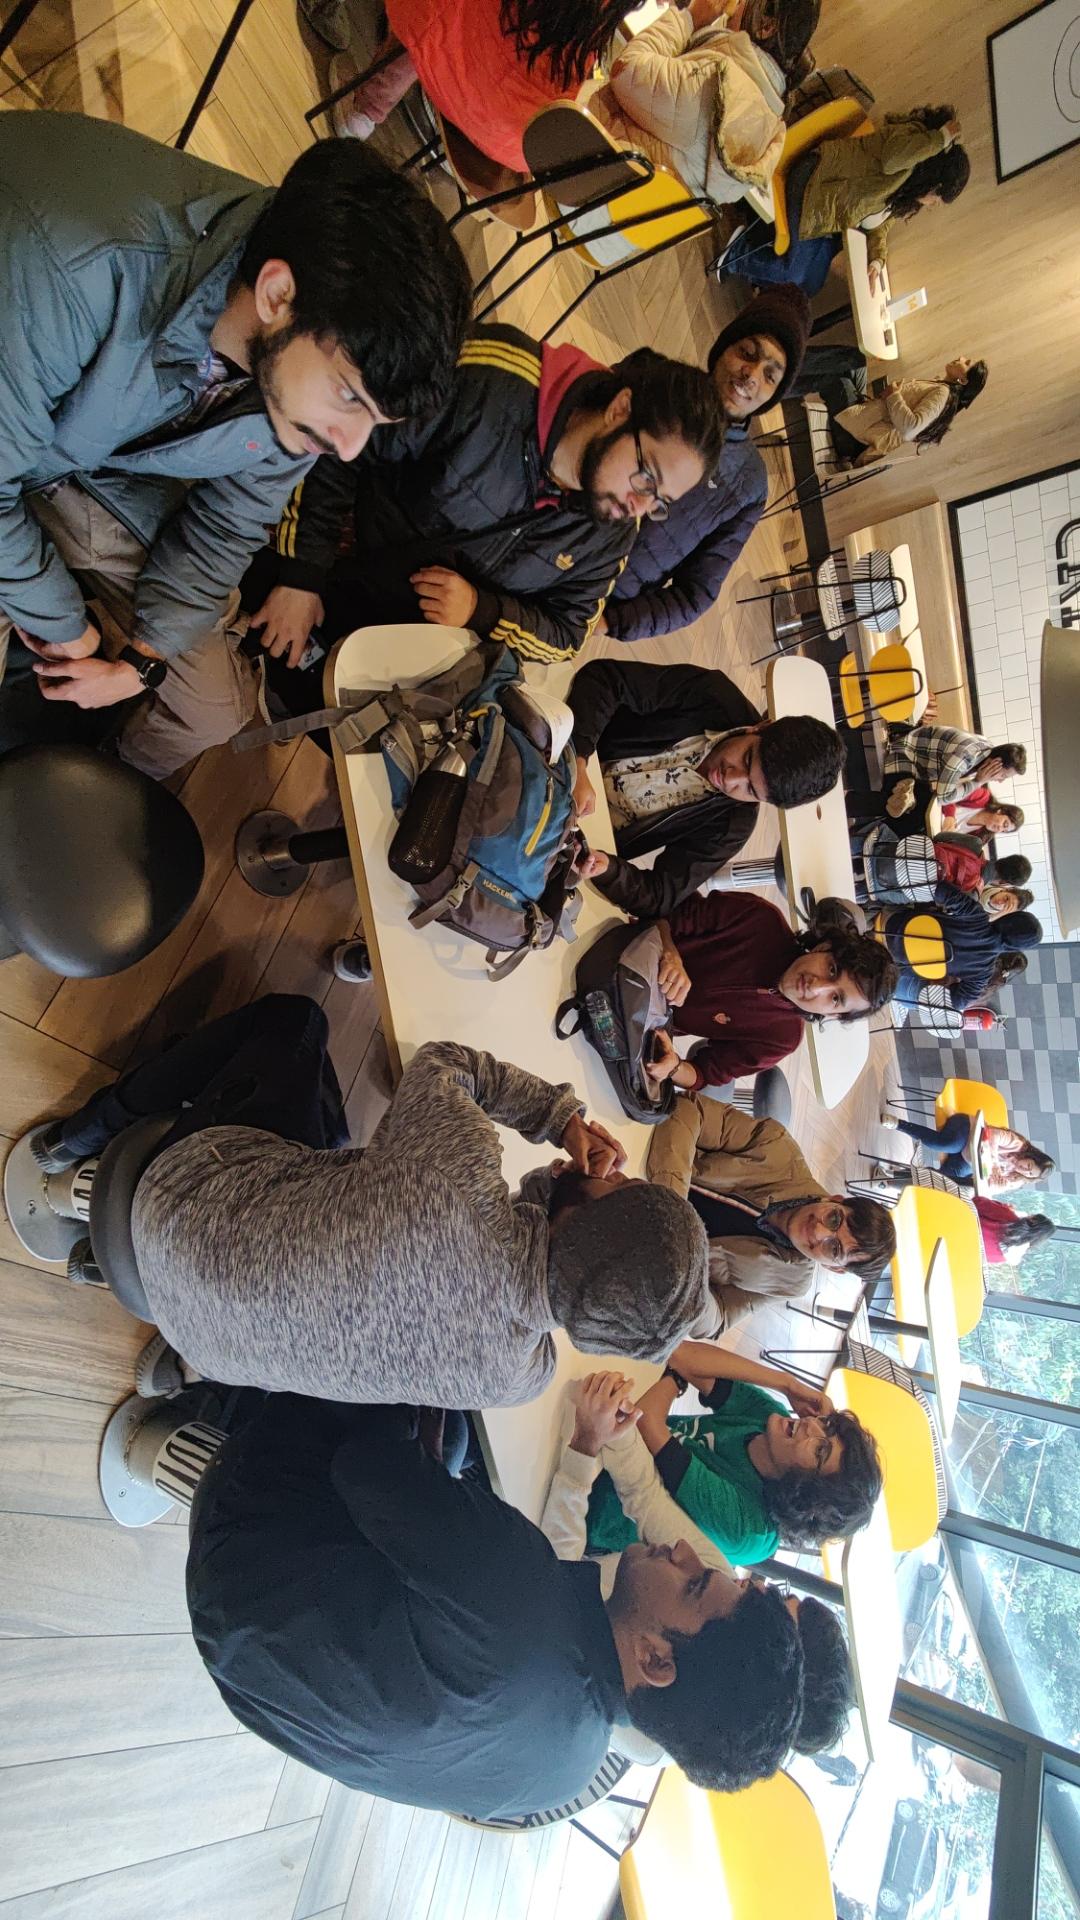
(1008, 1159)
(701, 91)
(914, 413)
(487, 66)
(1007, 1235)
(736, 975)
(915, 161)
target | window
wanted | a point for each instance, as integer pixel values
(1059, 1853)
(1018, 1469)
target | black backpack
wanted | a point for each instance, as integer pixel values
(618, 1006)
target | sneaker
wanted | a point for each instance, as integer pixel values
(888, 1120)
(330, 20)
(47, 1151)
(351, 961)
(82, 1268)
(882, 1180)
(159, 1371)
(349, 124)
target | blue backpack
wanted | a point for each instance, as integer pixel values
(509, 881)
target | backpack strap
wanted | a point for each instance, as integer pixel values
(568, 1006)
(355, 722)
(453, 897)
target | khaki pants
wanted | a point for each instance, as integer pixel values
(209, 692)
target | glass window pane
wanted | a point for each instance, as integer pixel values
(1020, 1470)
(1059, 1853)
(1025, 1353)
(1025, 1615)
(1051, 1271)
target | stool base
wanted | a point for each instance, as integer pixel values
(263, 857)
(45, 1234)
(131, 1502)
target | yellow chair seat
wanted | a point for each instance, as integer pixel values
(906, 1445)
(922, 1217)
(663, 191)
(851, 693)
(754, 1855)
(836, 120)
(971, 1096)
(894, 683)
(924, 947)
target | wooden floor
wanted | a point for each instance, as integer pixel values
(125, 1786)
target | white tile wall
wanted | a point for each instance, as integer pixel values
(1010, 581)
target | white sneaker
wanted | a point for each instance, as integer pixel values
(888, 1120)
(159, 1370)
(348, 123)
(351, 961)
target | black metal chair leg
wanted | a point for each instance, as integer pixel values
(14, 23)
(240, 13)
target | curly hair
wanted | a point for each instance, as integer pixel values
(572, 34)
(872, 1225)
(946, 174)
(733, 1710)
(807, 1507)
(801, 759)
(871, 967)
(828, 1681)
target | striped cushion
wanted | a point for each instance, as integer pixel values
(863, 1359)
(604, 1781)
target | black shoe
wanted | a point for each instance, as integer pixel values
(48, 1151)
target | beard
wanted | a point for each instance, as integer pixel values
(602, 508)
(264, 352)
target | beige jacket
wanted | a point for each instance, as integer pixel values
(712, 111)
(717, 1146)
(885, 424)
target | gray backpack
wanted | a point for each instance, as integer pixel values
(618, 1006)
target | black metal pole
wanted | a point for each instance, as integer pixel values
(240, 13)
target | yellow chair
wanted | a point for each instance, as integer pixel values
(923, 1216)
(836, 120)
(925, 948)
(910, 1458)
(566, 134)
(753, 1855)
(971, 1096)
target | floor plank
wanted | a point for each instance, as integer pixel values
(302, 1795)
(456, 1869)
(254, 1877)
(26, 988)
(90, 1577)
(73, 1818)
(48, 1454)
(57, 1338)
(63, 1697)
(336, 1851)
(418, 1870)
(372, 1894)
(41, 1076)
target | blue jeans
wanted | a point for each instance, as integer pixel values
(950, 1141)
(806, 262)
(264, 1066)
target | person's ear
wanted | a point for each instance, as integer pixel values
(275, 291)
(653, 1663)
(617, 412)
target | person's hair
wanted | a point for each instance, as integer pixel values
(946, 174)
(377, 272)
(801, 759)
(1006, 968)
(794, 23)
(672, 400)
(961, 395)
(807, 1507)
(1030, 1230)
(1042, 1163)
(1017, 931)
(732, 1711)
(872, 1225)
(1022, 895)
(1012, 870)
(572, 34)
(1013, 757)
(828, 1680)
(870, 965)
(1013, 814)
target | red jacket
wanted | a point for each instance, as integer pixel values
(735, 947)
(470, 69)
(993, 1215)
(960, 860)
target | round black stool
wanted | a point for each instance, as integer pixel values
(97, 862)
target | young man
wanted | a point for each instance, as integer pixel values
(973, 944)
(932, 762)
(770, 1222)
(511, 514)
(677, 567)
(179, 344)
(604, 1436)
(736, 975)
(415, 1637)
(272, 1255)
(686, 762)
(748, 1473)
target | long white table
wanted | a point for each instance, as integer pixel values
(432, 983)
(817, 853)
(875, 327)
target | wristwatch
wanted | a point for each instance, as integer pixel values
(670, 1373)
(150, 672)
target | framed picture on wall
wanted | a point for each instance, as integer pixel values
(1035, 86)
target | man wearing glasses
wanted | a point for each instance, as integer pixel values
(510, 513)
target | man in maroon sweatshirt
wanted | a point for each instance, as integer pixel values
(510, 513)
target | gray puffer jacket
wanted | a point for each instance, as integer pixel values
(118, 255)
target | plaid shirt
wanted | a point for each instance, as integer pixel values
(942, 756)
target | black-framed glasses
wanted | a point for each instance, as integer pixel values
(644, 481)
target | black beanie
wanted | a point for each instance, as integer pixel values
(784, 314)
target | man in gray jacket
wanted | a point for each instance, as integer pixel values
(273, 1256)
(179, 344)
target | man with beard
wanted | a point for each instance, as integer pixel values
(511, 514)
(180, 344)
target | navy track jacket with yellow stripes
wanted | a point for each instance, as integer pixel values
(442, 492)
